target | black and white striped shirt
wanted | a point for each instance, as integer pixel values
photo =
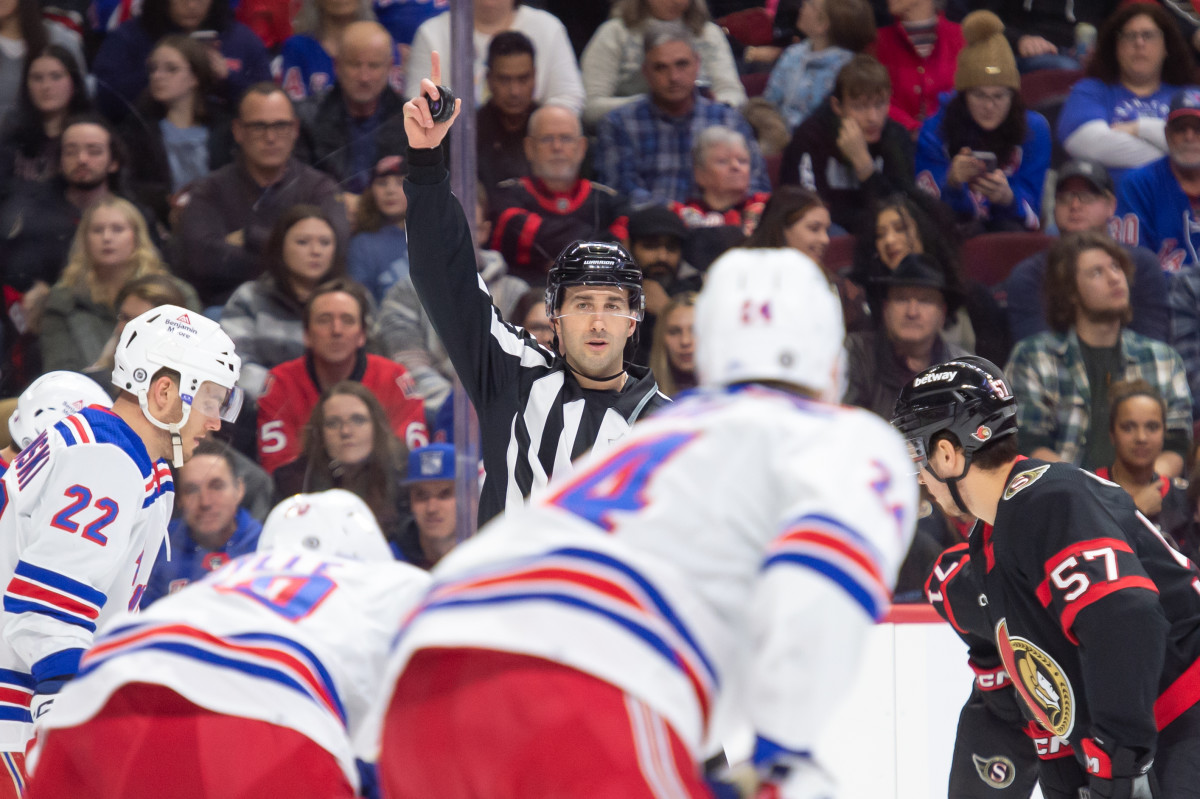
(534, 417)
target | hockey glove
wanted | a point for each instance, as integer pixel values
(1117, 774)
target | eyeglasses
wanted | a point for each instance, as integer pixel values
(1133, 37)
(991, 98)
(564, 139)
(261, 129)
(1084, 197)
(356, 421)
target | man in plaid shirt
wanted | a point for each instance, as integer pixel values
(1060, 377)
(644, 148)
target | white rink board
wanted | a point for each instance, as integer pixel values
(894, 735)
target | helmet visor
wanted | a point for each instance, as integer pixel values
(916, 451)
(605, 299)
(216, 401)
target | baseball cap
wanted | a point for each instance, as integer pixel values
(434, 462)
(390, 165)
(1186, 102)
(656, 221)
(1095, 174)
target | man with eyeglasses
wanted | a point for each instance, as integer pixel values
(539, 409)
(537, 216)
(1085, 200)
(229, 215)
(848, 150)
(504, 118)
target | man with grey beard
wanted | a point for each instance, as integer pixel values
(537, 216)
(1156, 207)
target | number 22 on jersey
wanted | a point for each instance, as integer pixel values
(618, 483)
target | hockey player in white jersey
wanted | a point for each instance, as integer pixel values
(84, 509)
(48, 399)
(244, 685)
(724, 560)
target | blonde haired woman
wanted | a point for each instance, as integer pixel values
(112, 246)
(673, 353)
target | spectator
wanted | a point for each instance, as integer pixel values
(25, 31)
(179, 133)
(349, 128)
(1116, 115)
(39, 220)
(916, 224)
(1137, 421)
(212, 528)
(1043, 34)
(530, 314)
(1154, 202)
(1085, 199)
(406, 329)
(538, 216)
(983, 154)
(433, 530)
(349, 444)
(1061, 378)
(723, 211)
(378, 253)
(265, 317)
(673, 354)
(237, 57)
(135, 298)
(307, 60)
(503, 120)
(848, 151)
(920, 49)
(916, 300)
(643, 148)
(796, 218)
(803, 76)
(111, 247)
(52, 90)
(557, 78)
(230, 214)
(404, 19)
(656, 241)
(336, 321)
(612, 61)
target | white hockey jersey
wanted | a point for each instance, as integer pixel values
(83, 513)
(729, 553)
(291, 639)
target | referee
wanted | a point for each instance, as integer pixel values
(538, 410)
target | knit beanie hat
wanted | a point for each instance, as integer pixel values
(987, 59)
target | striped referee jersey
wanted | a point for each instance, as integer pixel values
(534, 417)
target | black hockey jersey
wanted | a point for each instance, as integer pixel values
(1095, 616)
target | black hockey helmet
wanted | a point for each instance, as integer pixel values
(595, 263)
(967, 397)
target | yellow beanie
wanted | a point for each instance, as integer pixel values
(987, 59)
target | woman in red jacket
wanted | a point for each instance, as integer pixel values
(920, 51)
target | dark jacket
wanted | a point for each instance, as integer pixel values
(812, 159)
(229, 200)
(522, 392)
(500, 153)
(327, 142)
(875, 374)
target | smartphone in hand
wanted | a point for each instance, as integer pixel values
(988, 159)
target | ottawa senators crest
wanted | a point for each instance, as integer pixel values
(1040, 681)
(1024, 480)
(997, 772)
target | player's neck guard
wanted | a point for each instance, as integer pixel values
(578, 373)
(171, 427)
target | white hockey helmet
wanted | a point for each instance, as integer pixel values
(53, 396)
(175, 338)
(328, 523)
(770, 314)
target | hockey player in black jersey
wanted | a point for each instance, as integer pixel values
(1094, 616)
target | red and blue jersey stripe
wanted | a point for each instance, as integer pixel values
(264, 656)
(16, 693)
(594, 583)
(37, 590)
(838, 552)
